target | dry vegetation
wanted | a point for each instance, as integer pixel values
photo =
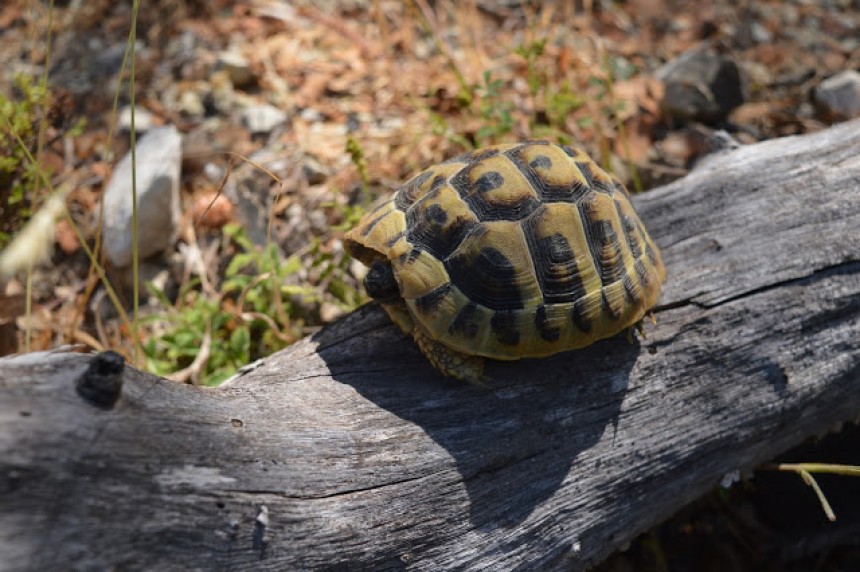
(372, 91)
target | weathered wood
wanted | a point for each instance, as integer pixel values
(348, 450)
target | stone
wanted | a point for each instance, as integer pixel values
(191, 103)
(315, 172)
(263, 118)
(701, 85)
(238, 68)
(839, 96)
(158, 158)
(142, 119)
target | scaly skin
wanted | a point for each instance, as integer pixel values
(450, 362)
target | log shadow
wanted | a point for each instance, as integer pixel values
(514, 441)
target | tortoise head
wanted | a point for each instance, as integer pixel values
(380, 282)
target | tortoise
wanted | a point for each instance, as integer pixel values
(513, 251)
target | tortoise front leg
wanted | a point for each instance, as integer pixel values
(450, 362)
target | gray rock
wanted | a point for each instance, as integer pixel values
(760, 34)
(263, 118)
(142, 119)
(159, 157)
(701, 85)
(839, 95)
(311, 115)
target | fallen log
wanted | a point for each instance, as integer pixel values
(348, 451)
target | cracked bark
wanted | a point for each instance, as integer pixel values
(347, 450)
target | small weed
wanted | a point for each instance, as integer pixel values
(261, 306)
(19, 120)
(495, 111)
(197, 323)
(356, 155)
(531, 52)
(440, 126)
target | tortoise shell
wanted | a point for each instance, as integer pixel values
(514, 251)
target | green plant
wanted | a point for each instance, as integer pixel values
(560, 104)
(261, 306)
(440, 126)
(356, 155)
(197, 326)
(494, 110)
(553, 101)
(531, 52)
(19, 121)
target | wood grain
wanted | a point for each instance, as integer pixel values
(347, 451)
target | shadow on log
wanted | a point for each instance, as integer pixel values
(348, 451)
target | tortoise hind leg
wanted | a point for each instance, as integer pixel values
(450, 362)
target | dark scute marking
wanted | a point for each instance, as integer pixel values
(547, 331)
(568, 193)
(614, 314)
(380, 207)
(380, 282)
(610, 268)
(494, 211)
(484, 207)
(555, 266)
(558, 249)
(393, 240)
(430, 302)
(464, 323)
(370, 226)
(649, 252)
(618, 186)
(504, 325)
(630, 233)
(601, 185)
(629, 289)
(571, 152)
(437, 184)
(473, 156)
(489, 279)
(587, 171)
(604, 246)
(580, 319)
(642, 272)
(436, 215)
(541, 162)
(411, 256)
(489, 182)
(406, 195)
(429, 229)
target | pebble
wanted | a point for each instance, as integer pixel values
(701, 85)
(839, 95)
(159, 156)
(238, 68)
(315, 172)
(311, 115)
(191, 103)
(142, 119)
(263, 118)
